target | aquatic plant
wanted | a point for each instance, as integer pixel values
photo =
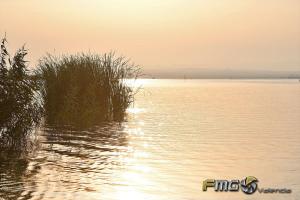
(20, 108)
(85, 89)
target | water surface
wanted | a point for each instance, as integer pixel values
(179, 133)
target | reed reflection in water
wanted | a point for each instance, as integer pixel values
(67, 162)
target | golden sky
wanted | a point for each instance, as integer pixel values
(210, 34)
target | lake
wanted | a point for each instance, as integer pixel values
(177, 134)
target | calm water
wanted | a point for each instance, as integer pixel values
(179, 133)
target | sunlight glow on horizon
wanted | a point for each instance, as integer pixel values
(217, 34)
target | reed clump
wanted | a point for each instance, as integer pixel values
(85, 89)
(20, 108)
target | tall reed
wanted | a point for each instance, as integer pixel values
(20, 108)
(85, 89)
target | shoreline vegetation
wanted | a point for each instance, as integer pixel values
(85, 89)
(78, 91)
(20, 108)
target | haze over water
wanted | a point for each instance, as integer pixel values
(179, 133)
(169, 37)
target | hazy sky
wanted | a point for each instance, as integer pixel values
(161, 34)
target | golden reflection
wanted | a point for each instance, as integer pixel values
(130, 194)
(136, 177)
(135, 110)
(136, 182)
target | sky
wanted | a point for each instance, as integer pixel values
(161, 35)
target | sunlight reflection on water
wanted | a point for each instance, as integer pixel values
(179, 133)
